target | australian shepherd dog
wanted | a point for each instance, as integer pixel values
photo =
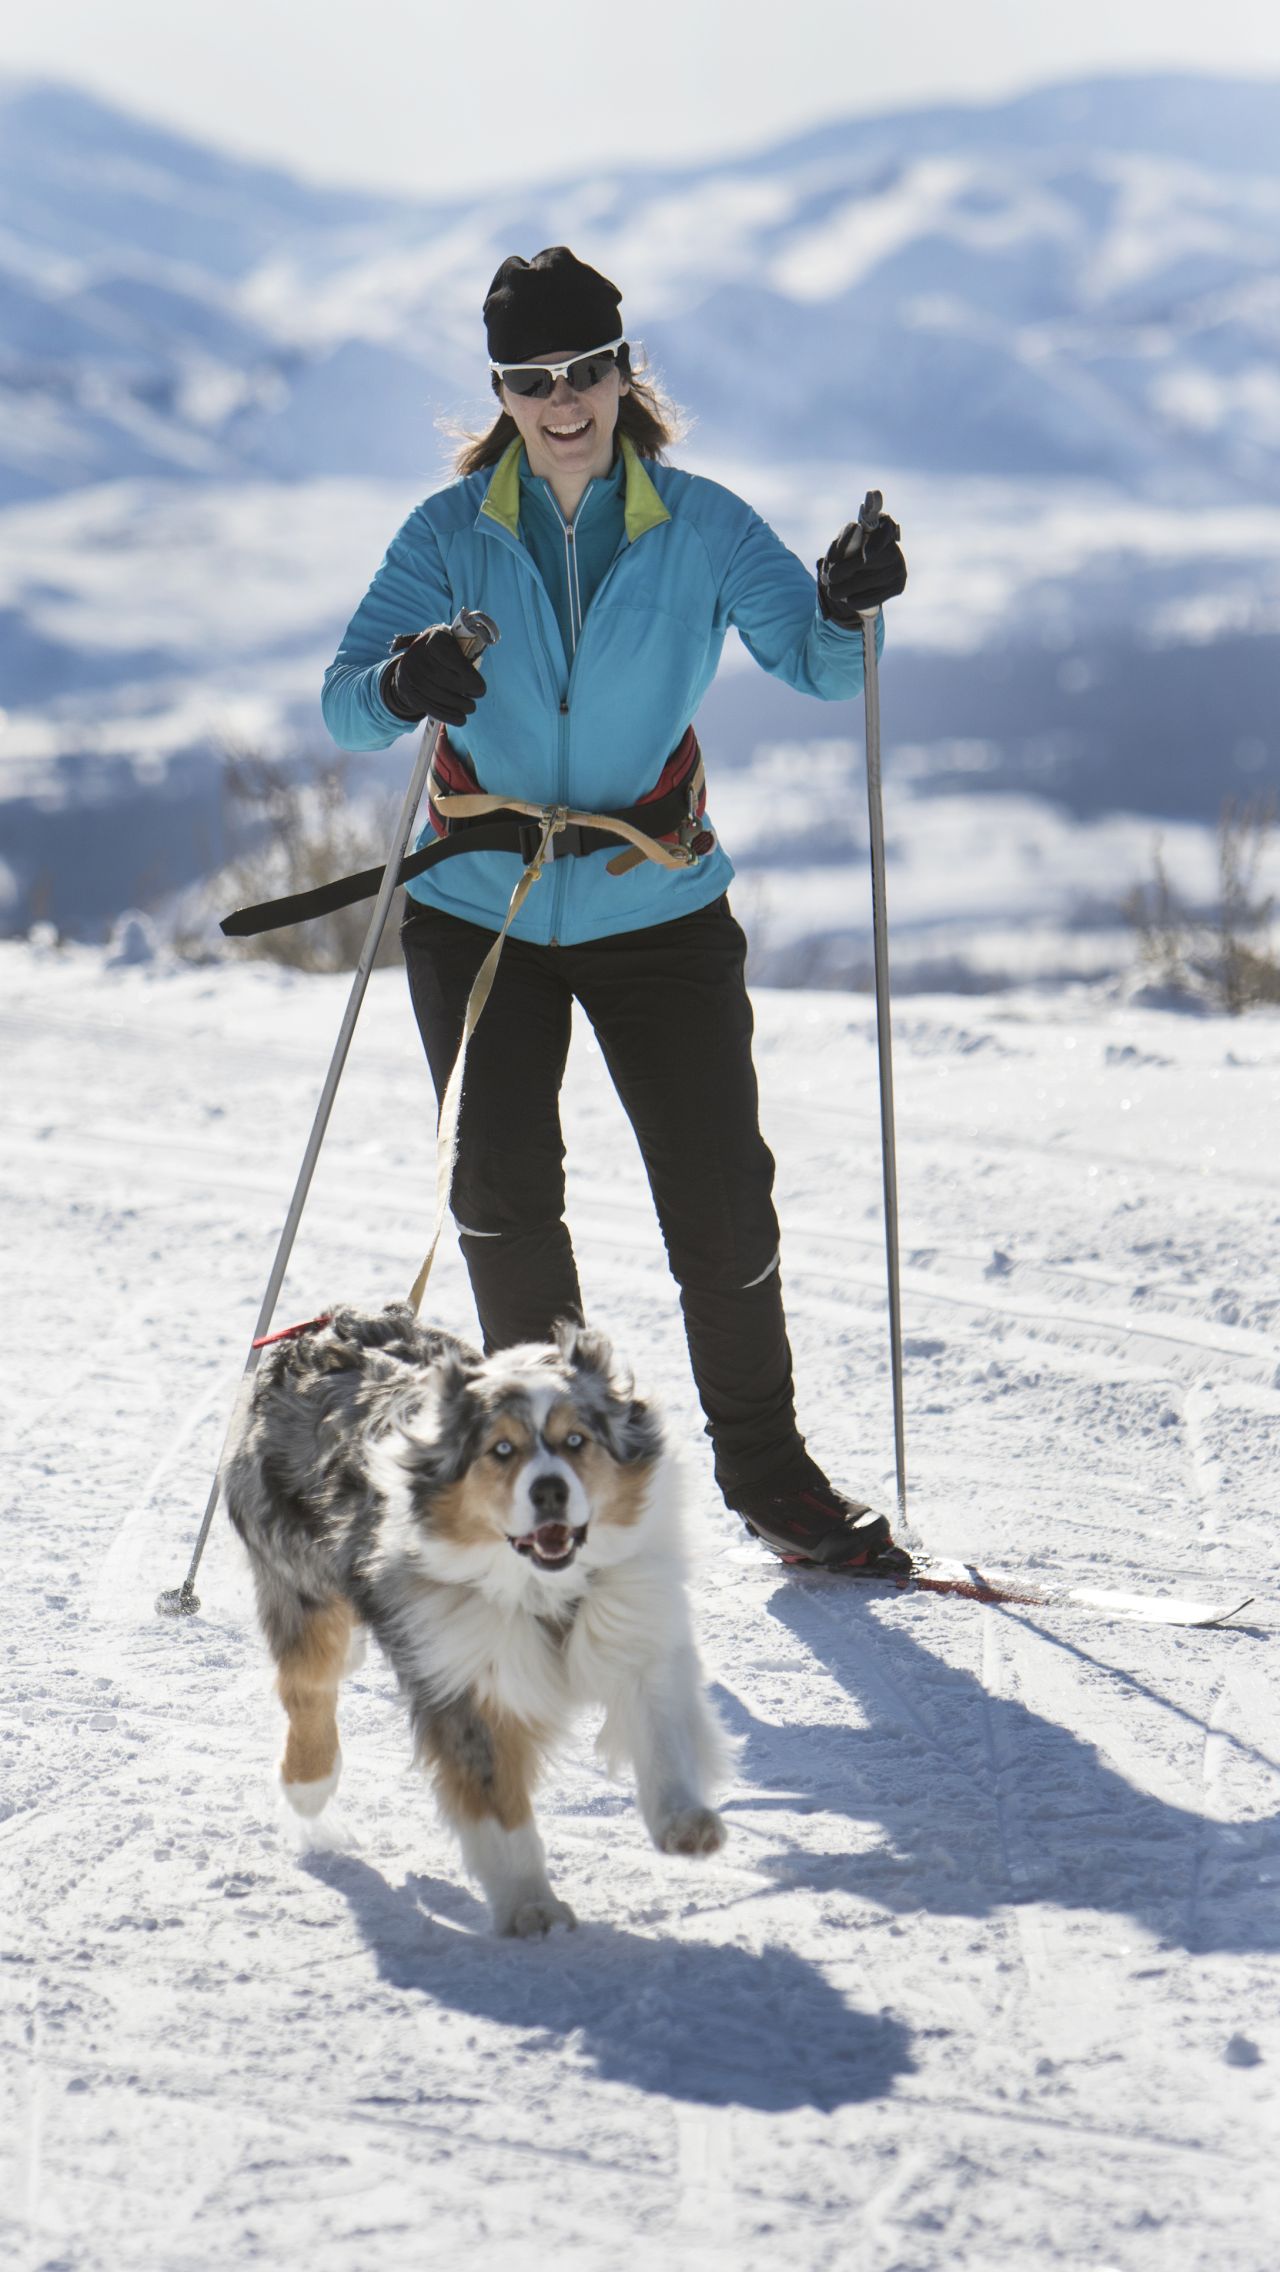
(507, 1529)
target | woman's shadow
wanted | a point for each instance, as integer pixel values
(684, 2019)
(979, 1802)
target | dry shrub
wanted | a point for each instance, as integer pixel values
(1247, 967)
(1228, 948)
(305, 829)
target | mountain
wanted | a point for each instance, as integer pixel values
(1084, 281)
(1048, 328)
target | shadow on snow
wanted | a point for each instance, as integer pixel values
(688, 2020)
(978, 1802)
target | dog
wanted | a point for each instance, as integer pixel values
(507, 1528)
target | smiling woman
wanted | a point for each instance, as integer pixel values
(613, 578)
(546, 392)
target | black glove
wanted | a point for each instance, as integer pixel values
(431, 678)
(849, 586)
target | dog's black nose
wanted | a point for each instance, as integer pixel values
(550, 1496)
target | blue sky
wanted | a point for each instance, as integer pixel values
(414, 96)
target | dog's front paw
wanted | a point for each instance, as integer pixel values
(309, 1797)
(691, 1830)
(530, 1919)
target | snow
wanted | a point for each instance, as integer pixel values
(955, 859)
(173, 622)
(928, 199)
(182, 575)
(986, 1976)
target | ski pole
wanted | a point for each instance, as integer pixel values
(473, 632)
(868, 519)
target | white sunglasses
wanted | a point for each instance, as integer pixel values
(535, 381)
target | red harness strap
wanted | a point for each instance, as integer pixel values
(290, 1332)
(680, 765)
(454, 775)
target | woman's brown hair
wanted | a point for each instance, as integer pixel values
(645, 415)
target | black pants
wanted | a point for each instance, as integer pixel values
(672, 1016)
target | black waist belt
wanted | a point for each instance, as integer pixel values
(499, 833)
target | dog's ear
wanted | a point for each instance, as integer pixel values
(459, 1416)
(584, 1348)
(635, 1431)
(440, 1424)
(629, 1427)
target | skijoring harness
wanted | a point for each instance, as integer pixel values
(666, 826)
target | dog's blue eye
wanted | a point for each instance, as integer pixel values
(574, 1441)
(503, 1449)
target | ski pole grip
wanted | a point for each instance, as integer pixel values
(473, 631)
(870, 515)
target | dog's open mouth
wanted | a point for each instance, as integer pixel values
(552, 1545)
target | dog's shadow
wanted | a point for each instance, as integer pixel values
(684, 2019)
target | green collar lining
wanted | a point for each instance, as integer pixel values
(502, 497)
(644, 508)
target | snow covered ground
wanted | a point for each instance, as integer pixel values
(986, 1977)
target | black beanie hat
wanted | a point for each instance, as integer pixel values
(554, 300)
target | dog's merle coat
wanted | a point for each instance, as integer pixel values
(506, 1528)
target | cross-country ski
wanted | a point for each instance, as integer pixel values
(963, 1581)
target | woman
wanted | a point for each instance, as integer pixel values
(613, 578)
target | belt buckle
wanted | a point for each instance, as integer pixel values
(556, 817)
(687, 828)
(696, 840)
(544, 834)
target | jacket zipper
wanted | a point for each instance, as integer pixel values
(575, 588)
(572, 584)
(559, 869)
(562, 880)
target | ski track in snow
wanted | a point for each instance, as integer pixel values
(986, 1976)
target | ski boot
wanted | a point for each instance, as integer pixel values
(815, 1525)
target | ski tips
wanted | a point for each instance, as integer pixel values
(1224, 1616)
(1156, 1609)
(965, 1581)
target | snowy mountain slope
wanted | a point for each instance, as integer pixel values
(1047, 328)
(124, 345)
(82, 178)
(1082, 281)
(987, 1973)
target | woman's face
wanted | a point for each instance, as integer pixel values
(566, 432)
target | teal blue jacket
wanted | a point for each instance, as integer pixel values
(590, 726)
(573, 558)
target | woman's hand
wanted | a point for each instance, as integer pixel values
(856, 583)
(431, 678)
